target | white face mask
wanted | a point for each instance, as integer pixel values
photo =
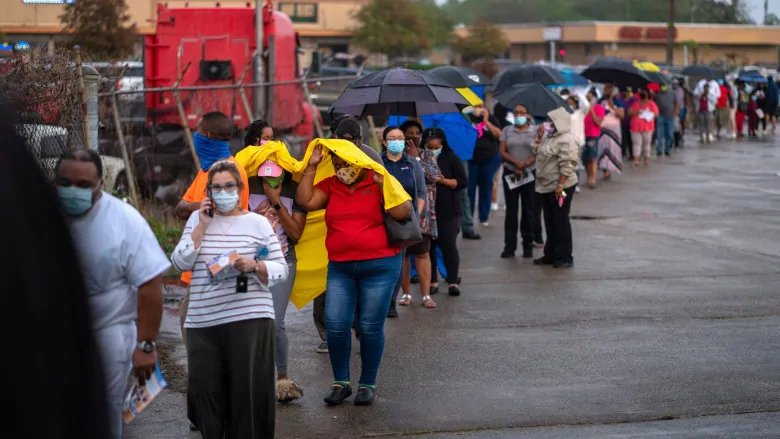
(225, 201)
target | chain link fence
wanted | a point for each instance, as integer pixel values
(46, 91)
(152, 124)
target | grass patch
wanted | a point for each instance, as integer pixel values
(167, 228)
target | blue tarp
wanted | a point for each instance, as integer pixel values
(460, 134)
(750, 77)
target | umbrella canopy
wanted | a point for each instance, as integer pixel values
(538, 99)
(461, 136)
(646, 66)
(702, 71)
(461, 76)
(657, 78)
(527, 74)
(752, 77)
(399, 91)
(573, 78)
(616, 71)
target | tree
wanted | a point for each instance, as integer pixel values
(771, 20)
(438, 22)
(101, 28)
(393, 27)
(484, 39)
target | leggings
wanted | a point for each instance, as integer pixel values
(281, 294)
(449, 228)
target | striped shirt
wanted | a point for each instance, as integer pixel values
(216, 304)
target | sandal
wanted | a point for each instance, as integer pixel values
(405, 300)
(428, 302)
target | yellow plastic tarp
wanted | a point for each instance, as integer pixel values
(252, 157)
(647, 66)
(312, 269)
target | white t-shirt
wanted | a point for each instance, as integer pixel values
(118, 254)
(213, 304)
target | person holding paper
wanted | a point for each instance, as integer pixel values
(643, 113)
(230, 321)
(515, 149)
(122, 263)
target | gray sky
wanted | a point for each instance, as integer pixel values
(756, 8)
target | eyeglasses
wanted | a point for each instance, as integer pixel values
(230, 187)
(391, 138)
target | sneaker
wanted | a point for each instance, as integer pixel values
(484, 224)
(563, 265)
(365, 396)
(507, 254)
(322, 348)
(338, 394)
(494, 206)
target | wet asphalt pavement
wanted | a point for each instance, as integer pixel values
(667, 326)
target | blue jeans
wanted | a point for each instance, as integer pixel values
(372, 281)
(481, 175)
(665, 134)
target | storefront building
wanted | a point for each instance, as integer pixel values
(579, 42)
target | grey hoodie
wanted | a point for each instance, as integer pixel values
(557, 154)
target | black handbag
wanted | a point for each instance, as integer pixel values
(404, 233)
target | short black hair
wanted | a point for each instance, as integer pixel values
(334, 124)
(255, 131)
(565, 91)
(81, 155)
(388, 129)
(218, 123)
(411, 123)
(349, 126)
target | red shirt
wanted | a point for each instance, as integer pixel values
(356, 227)
(704, 106)
(640, 124)
(723, 100)
(592, 130)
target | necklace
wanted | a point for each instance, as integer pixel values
(222, 230)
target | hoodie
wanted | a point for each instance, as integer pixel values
(556, 154)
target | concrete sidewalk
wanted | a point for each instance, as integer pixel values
(671, 311)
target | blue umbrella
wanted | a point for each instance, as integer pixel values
(479, 91)
(752, 77)
(574, 78)
(460, 134)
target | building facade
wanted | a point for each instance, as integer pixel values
(580, 42)
(323, 25)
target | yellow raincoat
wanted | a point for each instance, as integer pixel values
(312, 270)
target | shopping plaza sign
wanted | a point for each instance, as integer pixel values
(645, 33)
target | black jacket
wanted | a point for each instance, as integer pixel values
(448, 200)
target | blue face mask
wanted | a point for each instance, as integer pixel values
(396, 146)
(436, 152)
(75, 200)
(520, 120)
(209, 150)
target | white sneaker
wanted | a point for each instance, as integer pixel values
(484, 224)
(494, 206)
(712, 138)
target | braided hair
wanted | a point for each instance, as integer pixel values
(435, 133)
(255, 131)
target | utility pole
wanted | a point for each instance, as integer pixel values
(670, 36)
(258, 74)
(766, 11)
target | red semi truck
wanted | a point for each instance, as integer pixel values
(218, 43)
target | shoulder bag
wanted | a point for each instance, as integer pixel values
(404, 233)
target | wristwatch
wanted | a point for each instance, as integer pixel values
(277, 206)
(146, 346)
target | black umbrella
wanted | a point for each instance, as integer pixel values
(702, 71)
(527, 74)
(657, 77)
(400, 92)
(538, 99)
(461, 76)
(616, 71)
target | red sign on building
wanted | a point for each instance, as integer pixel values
(647, 33)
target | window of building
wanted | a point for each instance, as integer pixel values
(299, 12)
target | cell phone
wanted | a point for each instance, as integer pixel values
(210, 212)
(241, 283)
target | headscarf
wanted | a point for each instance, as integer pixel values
(252, 157)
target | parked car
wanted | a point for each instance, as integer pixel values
(132, 107)
(48, 142)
